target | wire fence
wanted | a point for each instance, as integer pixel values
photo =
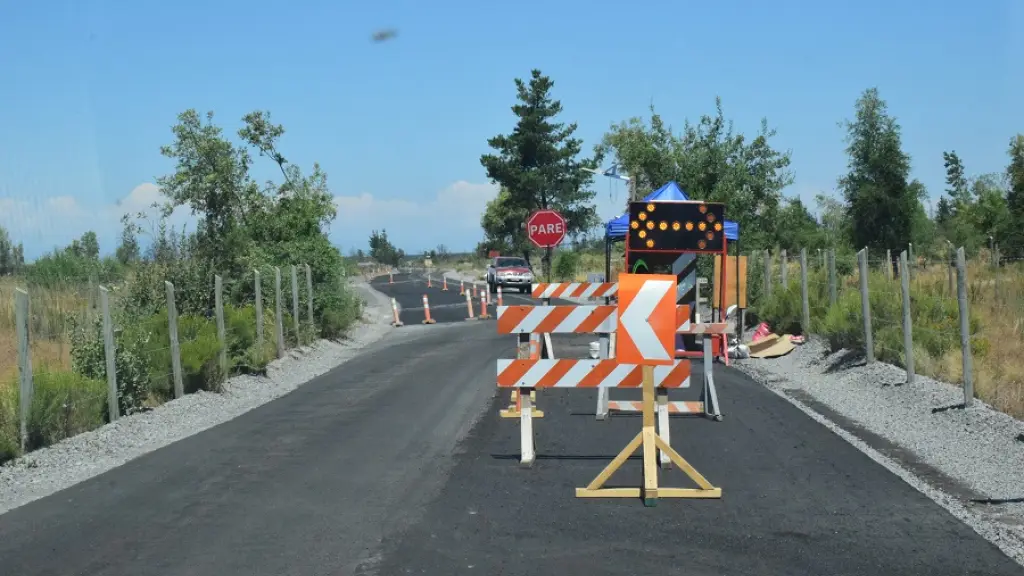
(956, 321)
(75, 357)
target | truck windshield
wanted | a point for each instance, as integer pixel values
(510, 262)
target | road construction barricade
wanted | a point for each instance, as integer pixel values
(707, 405)
(648, 323)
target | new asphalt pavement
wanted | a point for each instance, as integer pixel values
(397, 463)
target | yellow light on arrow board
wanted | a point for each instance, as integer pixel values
(650, 243)
(702, 226)
(634, 224)
(642, 234)
(703, 209)
(650, 225)
(702, 244)
(711, 217)
(663, 226)
(642, 216)
(689, 226)
(710, 235)
(718, 226)
(676, 226)
(650, 207)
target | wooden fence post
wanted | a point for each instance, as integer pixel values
(259, 312)
(221, 336)
(24, 363)
(278, 320)
(965, 327)
(295, 306)
(172, 331)
(309, 294)
(110, 352)
(865, 306)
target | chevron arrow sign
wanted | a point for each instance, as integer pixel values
(647, 319)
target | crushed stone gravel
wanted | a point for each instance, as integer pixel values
(976, 448)
(48, 470)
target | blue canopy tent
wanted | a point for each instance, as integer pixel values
(616, 228)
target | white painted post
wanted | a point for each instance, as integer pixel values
(109, 354)
(172, 332)
(604, 341)
(218, 298)
(24, 363)
(526, 448)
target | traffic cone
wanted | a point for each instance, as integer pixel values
(426, 311)
(444, 287)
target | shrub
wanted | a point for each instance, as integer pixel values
(566, 264)
(64, 404)
(131, 367)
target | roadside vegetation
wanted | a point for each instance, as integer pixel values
(242, 226)
(877, 204)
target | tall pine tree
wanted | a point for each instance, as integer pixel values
(880, 203)
(538, 165)
(1015, 197)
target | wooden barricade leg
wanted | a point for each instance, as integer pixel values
(515, 406)
(650, 442)
(663, 430)
(602, 393)
(708, 394)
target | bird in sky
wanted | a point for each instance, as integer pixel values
(384, 35)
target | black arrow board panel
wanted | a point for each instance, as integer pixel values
(676, 226)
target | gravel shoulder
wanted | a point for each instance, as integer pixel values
(970, 461)
(43, 472)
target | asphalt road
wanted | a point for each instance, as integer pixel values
(445, 306)
(396, 463)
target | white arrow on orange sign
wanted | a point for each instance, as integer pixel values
(647, 319)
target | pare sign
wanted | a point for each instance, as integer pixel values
(545, 228)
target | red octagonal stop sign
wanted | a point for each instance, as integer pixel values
(546, 228)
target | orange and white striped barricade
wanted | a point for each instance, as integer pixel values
(551, 290)
(530, 351)
(708, 403)
(645, 321)
(394, 311)
(603, 320)
(426, 311)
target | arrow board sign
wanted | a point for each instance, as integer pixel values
(647, 319)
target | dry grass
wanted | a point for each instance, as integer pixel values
(49, 314)
(997, 302)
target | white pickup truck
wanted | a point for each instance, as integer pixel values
(509, 272)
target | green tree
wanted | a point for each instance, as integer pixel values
(382, 250)
(538, 164)
(711, 162)
(6, 253)
(90, 246)
(128, 252)
(835, 225)
(1014, 241)
(881, 204)
(801, 229)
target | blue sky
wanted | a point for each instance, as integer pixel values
(90, 88)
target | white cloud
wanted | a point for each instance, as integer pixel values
(44, 224)
(451, 217)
